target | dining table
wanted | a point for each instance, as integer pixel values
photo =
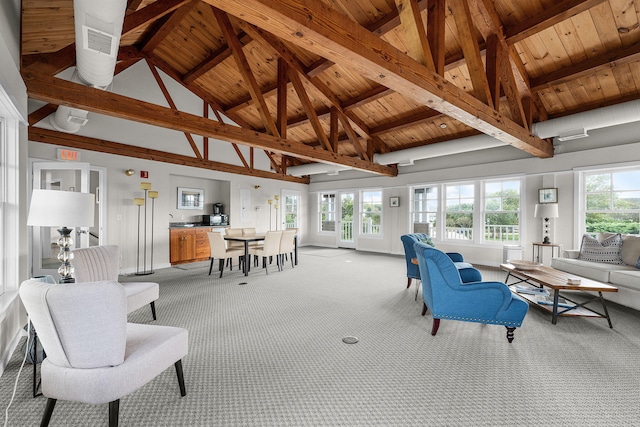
(258, 238)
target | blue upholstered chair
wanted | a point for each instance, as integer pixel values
(467, 272)
(448, 297)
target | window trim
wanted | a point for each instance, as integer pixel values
(380, 234)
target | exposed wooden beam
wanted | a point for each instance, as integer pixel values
(283, 80)
(50, 89)
(172, 105)
(436, 13)
(102, 146)
(405, 121)
(51, 63)
(150, 13)
(41, 113)
(245, 70)
(415, 32)
(591, 66)
(559, 11)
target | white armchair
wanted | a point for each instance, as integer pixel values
(103, 263)
(93, 355)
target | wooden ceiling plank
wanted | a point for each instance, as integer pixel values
(609, 59)
(155, 10)
(172, 105)
(244, 68)
(415, 32)
(414, 118)
(214, 59)
(50, 89)
(436, 14)
(558, 12)
(51, 63)
(372, 95)
(168, 26)
(102, 146)
(283, 81)
(308, 108)
(471, 49)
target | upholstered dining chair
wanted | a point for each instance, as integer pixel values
(444, 293)
(97, 263)
(287, 245)
(219, 250)
(271, 248)
(93, 355)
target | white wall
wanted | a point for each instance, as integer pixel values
(611, 146)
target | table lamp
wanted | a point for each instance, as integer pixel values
(63, 209)
(546, 211)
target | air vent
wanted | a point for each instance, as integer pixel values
(77, 120)
(99, 41)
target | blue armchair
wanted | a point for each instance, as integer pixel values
(467, 272)
(448, 297)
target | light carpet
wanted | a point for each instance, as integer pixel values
(270, 353)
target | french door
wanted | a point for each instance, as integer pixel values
(60, 176)
(348, 224)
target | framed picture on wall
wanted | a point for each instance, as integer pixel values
(190, 198)
(394, 202)
(548, 195)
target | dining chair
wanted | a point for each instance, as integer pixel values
(271, 248)
(97, 263)
(219, 250)
(287, 245)
(93, 355)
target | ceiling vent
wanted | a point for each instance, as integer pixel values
(99, 41)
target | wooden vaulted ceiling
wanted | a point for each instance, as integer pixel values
(336, 81)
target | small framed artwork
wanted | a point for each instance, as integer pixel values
(190, 198)
(548, 195)
(394, 202)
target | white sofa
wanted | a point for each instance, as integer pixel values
(626, 277)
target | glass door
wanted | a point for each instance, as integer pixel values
(60, 176)
(348, 221)
(291, 209)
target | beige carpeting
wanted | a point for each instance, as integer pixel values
(270, 353)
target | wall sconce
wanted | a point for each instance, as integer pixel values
(129, 172)
(256, 187)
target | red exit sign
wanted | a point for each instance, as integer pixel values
(66, 154)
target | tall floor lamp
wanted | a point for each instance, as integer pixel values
(270, 202)
(153, 195)
(275, 205)
(138, 201)
(54, 208)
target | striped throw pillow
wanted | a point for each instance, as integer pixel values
(607, 251)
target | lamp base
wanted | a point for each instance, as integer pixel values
(546, 240)
(65, 255)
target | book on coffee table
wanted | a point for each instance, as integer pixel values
(532, 290)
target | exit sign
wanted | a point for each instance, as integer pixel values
(66, 154)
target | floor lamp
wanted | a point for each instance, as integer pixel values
(54, 208)
(153, 195)
(138, 201)
(275, 205)
(270, 201)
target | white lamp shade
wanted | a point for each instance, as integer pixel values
(546, 210)
(52, 208)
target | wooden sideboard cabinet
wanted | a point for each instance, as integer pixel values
(188, 244)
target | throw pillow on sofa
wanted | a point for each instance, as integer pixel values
(630, 252)
(607, 251)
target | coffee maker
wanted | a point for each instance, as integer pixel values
(217, 208)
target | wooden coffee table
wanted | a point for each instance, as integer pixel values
(556, 280)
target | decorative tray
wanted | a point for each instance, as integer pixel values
(524, 265)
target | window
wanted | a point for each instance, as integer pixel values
(371, 212)
(502, 211)
(460, 201)
(612, 201)
(328, 212)
(291, 210)
(425, 210)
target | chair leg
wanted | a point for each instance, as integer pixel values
(221, 267)
(153, 310)
(211, 266)
(510, 333)
(183, 389)
(436, 325)
(424, 309)
(265, 264)
(292, 266)
(114, 410)
(408, 282)
(48, 411)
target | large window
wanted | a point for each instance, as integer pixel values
(425, 210)
(460, 204)
(291, 209)
(502, 211)
(371, 212)
(612, 201)
(327, 212)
